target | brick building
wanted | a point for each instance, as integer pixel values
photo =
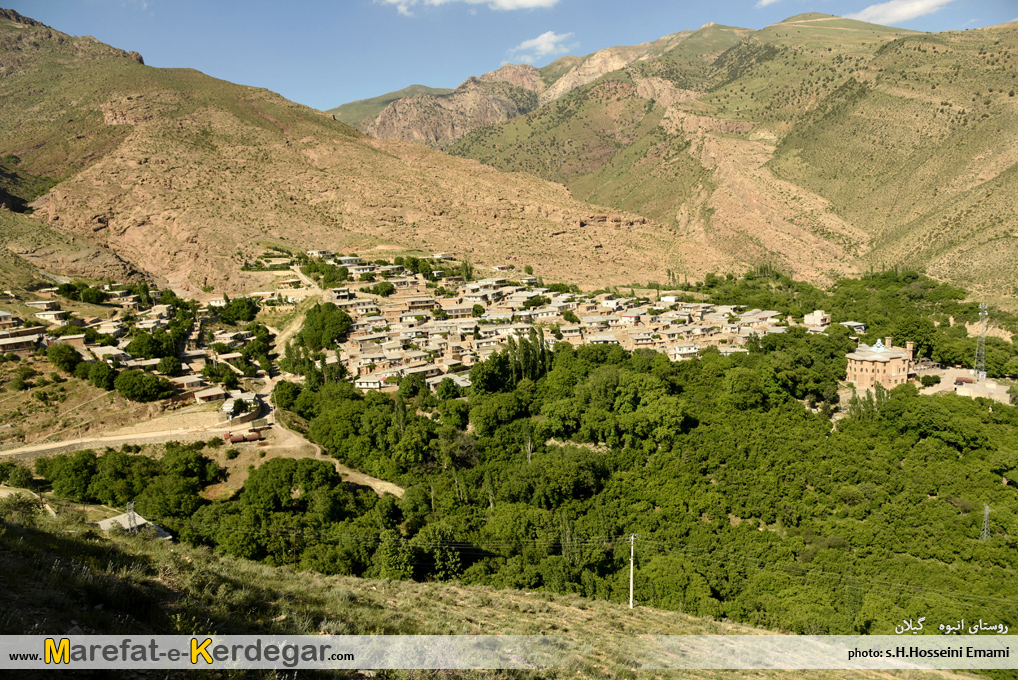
(882, 363)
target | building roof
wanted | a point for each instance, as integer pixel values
(878, 352)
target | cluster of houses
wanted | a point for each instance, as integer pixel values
(17, 337)
(414, 332)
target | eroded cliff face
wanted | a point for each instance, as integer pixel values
(440, 120)
(497, 96)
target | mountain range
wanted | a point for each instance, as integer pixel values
(184, 178)
(821, 146)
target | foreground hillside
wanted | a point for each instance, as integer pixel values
(60, 573)
(182, 175)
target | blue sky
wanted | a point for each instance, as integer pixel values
(324, 53)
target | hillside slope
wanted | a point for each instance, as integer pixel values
(182, 175)
(821, 145)
(62, 574)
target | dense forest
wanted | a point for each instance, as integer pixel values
(746, 499)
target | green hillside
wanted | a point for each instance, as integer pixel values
(17, 187)
(65, 573)
(363, 111)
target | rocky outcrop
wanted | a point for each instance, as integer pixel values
(520, 75)
(663, 92)
(11, 15)
(440, 120)
(592, 68)
(607, 60)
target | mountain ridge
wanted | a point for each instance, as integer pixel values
(184, 176)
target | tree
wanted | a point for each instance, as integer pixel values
(528, 270)
(478, 311)
(63, 356)
(918, 329)
(94, 296)
(324, 326)
(394, 557)
(170, 496)
(170, 366)
(447, 389)
(102, 375)
(285, 394)
(21, 477)
(141, 386)
(239, 309)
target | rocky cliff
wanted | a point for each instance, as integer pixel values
(438, 120)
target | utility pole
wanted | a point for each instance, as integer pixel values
(632, 560)
(980, 362)
(985, 535)
(132, 522)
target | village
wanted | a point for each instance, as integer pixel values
(437, 326)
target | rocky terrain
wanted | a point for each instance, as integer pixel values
(185, 178)
(440, 119)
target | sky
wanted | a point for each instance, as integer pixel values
(324, 53)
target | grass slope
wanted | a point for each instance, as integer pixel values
(357, 113)
(59, 572)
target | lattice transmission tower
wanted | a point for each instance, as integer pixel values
(132, 519)
(985, 534)
(980, 363)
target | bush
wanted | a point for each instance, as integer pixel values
(20, 508)
(930, 380)
(232, 453)
(21, 477)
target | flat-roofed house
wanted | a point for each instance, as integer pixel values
(19, 345)
(817, 318)
(44, 305)
(683, 352)
(211, 394)
(52, 316)
(881, 364)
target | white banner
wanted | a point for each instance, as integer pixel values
(734, 652)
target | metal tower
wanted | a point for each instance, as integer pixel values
(985, 535)
(980, 364)
(132, 521)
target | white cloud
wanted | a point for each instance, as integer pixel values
(548, 43)
(405, 7)
(764, 3)
(897, 11)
